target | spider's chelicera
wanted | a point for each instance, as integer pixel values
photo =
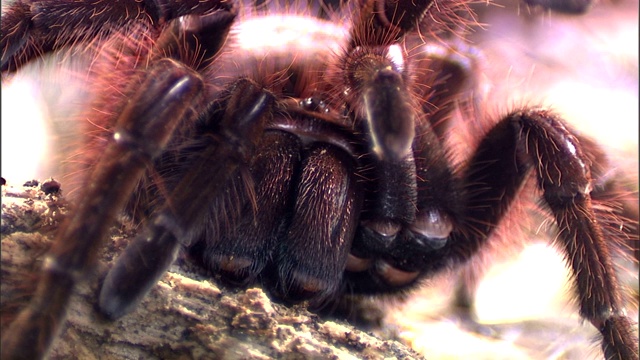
(319, 169)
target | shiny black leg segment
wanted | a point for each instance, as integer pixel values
(142, 131)
(228, 134)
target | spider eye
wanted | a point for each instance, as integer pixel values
(394, 276)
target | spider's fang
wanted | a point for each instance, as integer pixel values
(394, 276)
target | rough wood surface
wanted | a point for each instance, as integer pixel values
(186, 316)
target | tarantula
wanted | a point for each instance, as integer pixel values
(316, 176)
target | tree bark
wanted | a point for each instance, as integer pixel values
(187, 315)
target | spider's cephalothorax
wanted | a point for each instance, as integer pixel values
(315, 175)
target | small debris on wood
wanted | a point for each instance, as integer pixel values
(187, 315)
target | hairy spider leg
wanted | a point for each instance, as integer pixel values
(386, 22)
(167, 96)
(495, 175)
(143, 129)
(31, 29)
(235, 127)
(536, 140)
(616, 211)
(620, 212)
(454, 87)
(523, 141)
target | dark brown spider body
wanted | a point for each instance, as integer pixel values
(315, 177)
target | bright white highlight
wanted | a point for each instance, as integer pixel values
(395, 55)
(608, 114)
(528, 289)
(24, 132)
(288, 32)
